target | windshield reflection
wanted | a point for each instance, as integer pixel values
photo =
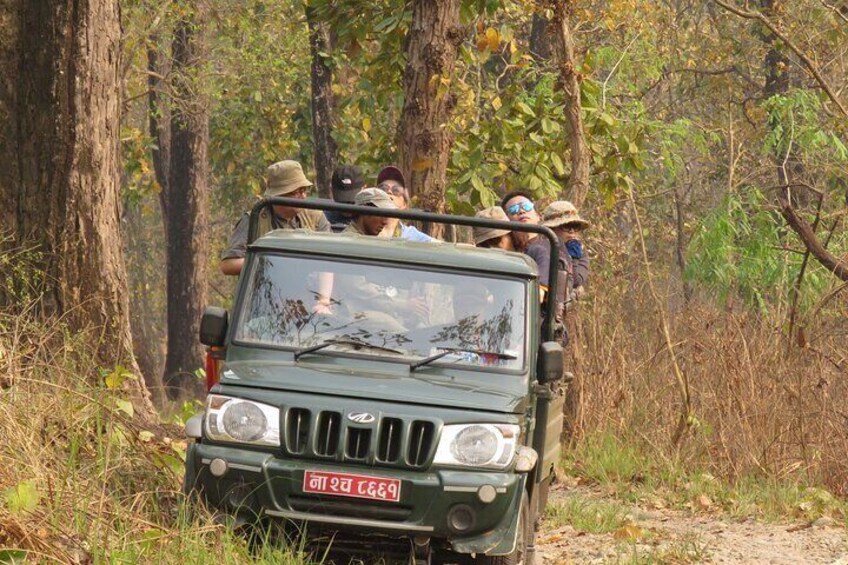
(418, 313)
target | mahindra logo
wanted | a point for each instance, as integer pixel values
(361, 417)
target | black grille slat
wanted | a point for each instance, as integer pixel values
(420, 441)
(297, 430)
(327, 436)
(388, 450)
(358, 443)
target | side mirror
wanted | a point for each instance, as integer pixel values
(549, 366)
(213, 326)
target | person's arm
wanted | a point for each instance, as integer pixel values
(232, 260)
(232, 266)
(580, 271)
(325, 292)
(323, 222)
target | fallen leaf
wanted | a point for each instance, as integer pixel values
(703, 502)
(630, 532)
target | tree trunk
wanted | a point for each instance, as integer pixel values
(578, 182)
(62, 193)
(423, 139)
(187, 209)
(540, 43)
(323, 108)
(159, 122)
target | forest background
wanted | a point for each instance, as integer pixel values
(705, 140)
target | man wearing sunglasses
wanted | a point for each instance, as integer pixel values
(519, 208)
(284, 178)
(391, 181)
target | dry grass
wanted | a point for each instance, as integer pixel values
(758, 407)
(80, 481)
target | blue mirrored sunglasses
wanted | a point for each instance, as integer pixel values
(525, 206)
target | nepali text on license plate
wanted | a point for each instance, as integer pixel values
(349, 484)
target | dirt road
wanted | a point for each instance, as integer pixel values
(673, 536)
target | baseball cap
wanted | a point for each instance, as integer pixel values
(562, 212)
(391, 172)
(347, 181)
(485, 234)
(374, 197)
(284, 177)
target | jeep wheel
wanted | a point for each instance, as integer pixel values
(526, 538)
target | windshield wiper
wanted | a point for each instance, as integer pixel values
(448, 350)
(352, 342)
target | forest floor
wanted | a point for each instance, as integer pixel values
(584, 524)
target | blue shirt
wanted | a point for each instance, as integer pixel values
(411, 233)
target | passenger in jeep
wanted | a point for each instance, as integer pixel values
(493, 237)
(284, 178)
(370, 225)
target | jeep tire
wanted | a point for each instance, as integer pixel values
(526, 538)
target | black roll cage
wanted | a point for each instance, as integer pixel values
(417, 215)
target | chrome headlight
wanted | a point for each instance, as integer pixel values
(243, 421)
(486, 446)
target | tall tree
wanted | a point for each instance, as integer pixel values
(61, 110)
(186, 211)
(325, 150)
(577, 186)
(423, 138)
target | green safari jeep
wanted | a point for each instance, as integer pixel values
(391, 394)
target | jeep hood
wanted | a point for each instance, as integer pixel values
(435, 386)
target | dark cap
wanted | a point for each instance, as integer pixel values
(391, 173)
(347, 181)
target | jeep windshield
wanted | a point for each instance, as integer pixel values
(332, 307)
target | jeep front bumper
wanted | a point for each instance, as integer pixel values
(443, 504)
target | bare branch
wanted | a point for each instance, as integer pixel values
(808, 236)
(808, 63)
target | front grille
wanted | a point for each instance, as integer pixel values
(327, 434)
(328, 431)
(297, 430)
(420, 442)
(358, 443)
(388, 449)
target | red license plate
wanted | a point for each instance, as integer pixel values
(354, 486)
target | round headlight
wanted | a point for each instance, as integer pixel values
(475, 445)
(244, 421)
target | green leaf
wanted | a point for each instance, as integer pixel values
(125, 406)
(547, 125)
(556, 161)
(525, 109)
(257, 96)
(606, 118)
(477, 183)
(12, 556)
(537, 139)
(23, 497)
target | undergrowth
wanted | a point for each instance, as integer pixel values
(630, 470)
(81, 481)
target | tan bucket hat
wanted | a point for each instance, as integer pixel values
(284, 177)
(374, 197)
(562, 212)
(485, 234)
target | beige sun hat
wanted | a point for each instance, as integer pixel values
(562, 212)
(284, 177)
(374, 197)
(485, 234)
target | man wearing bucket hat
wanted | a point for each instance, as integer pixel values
(370, 225)
(562, 217)
(284, 178)
(493, 237)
